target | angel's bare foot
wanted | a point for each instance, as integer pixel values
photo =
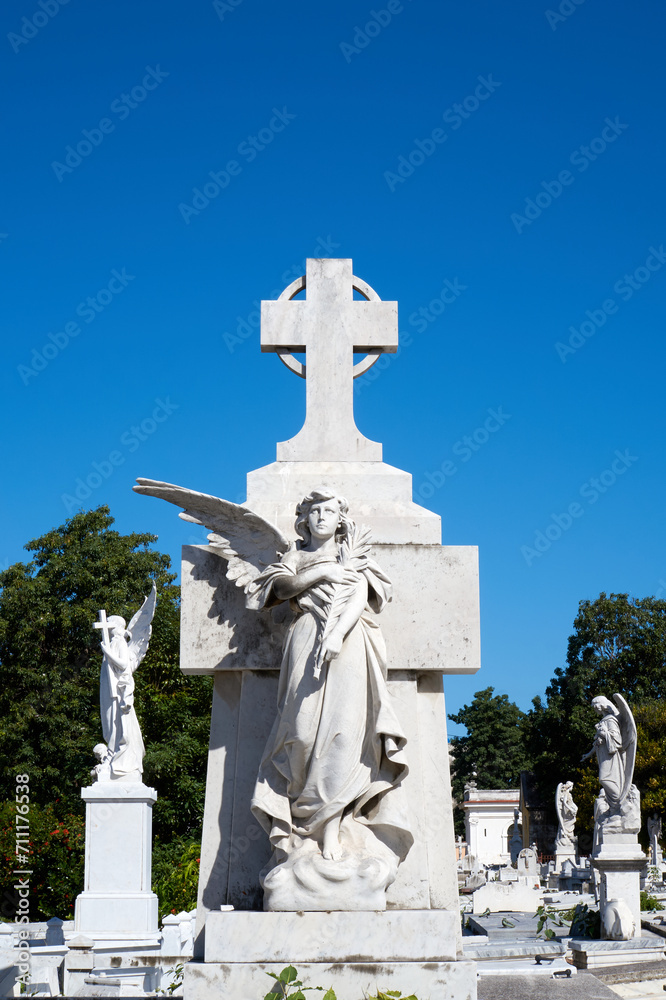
(331, 847)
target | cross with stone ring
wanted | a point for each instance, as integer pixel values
(330, 326)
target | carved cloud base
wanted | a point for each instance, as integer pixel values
(308, 881)
(624, 818)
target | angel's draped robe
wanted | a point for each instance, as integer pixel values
(120, 726)
(610, 756)
(336, 748)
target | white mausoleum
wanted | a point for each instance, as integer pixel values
(489, 823)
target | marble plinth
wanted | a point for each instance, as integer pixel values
(561, 856)
(431, 980)
(334, 936)
(499, 896)
(117, 901)
(596, 954)
(619, 860)
(356, 953)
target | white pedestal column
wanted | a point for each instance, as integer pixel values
(117, 902)
(620, 860)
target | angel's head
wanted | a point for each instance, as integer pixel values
(604, 706)
(117, 625)
(322, 514)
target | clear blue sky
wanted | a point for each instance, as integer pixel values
(563, 109)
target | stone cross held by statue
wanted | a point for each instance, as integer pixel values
(104, 625)
(330, 326)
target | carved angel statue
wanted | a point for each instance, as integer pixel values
(654, 827)
(121, 756)
(329, 779)
(566, 815)
(617, 809)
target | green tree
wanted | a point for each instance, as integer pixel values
(56, 857)
(492, 751)
(49, 675)
(618, 644)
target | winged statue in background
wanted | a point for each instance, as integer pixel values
(617, 808)
(121, 755)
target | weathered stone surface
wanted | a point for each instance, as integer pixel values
(433, 627)
(117, 896)
(498, 897)
(297, 937)
(431, 980)
(598, 954)
(526, 987)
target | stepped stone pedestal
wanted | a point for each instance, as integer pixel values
(619, 860)
(117, 905)
(413, 951)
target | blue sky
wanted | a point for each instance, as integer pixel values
(498, 169)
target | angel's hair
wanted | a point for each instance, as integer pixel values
(321, 496)
(605, 703)
(115, 621)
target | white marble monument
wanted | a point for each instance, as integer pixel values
(565, 843)
(489, 823)
(617, 855)
(654, 834)
(327, 611)
(117, 907)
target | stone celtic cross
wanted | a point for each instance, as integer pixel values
(330, 326)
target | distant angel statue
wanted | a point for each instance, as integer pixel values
(330, 775)
(566, 814)
(618, 806)
(121, 755)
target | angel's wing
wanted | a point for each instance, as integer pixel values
(141, 626)
(245, 539)
(628, 730)
(558, 804)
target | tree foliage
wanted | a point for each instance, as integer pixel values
(618, 644)
(49, 674)
(56, 859)
(492, 751)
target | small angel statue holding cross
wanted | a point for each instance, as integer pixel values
(121, 755)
